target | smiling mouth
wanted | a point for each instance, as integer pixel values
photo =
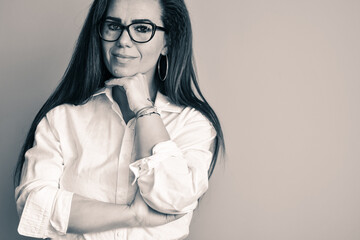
(123, 58)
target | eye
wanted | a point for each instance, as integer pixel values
(142, 28)
(113, 26)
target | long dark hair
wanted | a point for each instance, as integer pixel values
(86, 72)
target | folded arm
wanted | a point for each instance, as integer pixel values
(47, 211)
(175, 174)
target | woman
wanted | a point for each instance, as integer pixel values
(124, 146)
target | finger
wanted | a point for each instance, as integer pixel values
(177, 216)
(140, 75)
(173, 217)
(116, 82)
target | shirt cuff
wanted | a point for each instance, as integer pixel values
(160, 151)
(61, 211)
(46, 213)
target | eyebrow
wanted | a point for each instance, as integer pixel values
(133, 21)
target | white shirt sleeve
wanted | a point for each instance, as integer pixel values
(176, 175)
(43, 207)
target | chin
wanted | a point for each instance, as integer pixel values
(119, 73)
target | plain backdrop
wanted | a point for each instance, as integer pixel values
(284, 78)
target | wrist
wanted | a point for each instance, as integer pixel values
(146, 104)
(135, 220)
(140, 108)
(146, 111)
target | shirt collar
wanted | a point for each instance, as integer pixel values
(104, 90)
(162, 102)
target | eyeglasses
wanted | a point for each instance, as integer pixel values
(140, 32)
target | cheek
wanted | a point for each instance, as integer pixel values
(150, 54)
(106, 53)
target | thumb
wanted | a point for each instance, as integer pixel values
(173, 217)
(116, 82)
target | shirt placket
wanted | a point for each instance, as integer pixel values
(120, 234)
(123, 172)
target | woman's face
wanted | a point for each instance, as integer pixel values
(125, 57)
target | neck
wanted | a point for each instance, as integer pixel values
(152, 91)
(153, 88)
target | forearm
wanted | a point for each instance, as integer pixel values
(88, 215)
(176, 175)
(150, 130)
(175, 188)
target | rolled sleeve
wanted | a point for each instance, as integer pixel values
(43, 207)
(175, 176)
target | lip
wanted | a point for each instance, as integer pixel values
(123, 58)
(117, 55)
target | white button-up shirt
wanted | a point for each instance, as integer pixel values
(89, 150)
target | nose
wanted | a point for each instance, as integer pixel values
(124, 39)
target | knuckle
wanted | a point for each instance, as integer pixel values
(139, 219)
(169, 218)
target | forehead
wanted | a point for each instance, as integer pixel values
(129, 10)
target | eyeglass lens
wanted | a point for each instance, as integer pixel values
(139, 32)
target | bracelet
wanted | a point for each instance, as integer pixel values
(143, 109)
(148, 110)
(152, 103)
(147, 114)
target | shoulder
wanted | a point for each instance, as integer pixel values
(186, 114)
(67, 108)
(191, 129)
(60, 112)
(188, 123)
(66, 113)
(192, 115)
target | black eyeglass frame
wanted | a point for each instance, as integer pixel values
(154, 28)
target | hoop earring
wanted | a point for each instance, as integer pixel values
(159, 67)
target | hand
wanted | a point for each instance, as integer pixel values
(148, 217)
(136, 89)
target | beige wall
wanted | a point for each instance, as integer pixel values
(284, 77)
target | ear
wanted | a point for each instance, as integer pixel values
(164, 50)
